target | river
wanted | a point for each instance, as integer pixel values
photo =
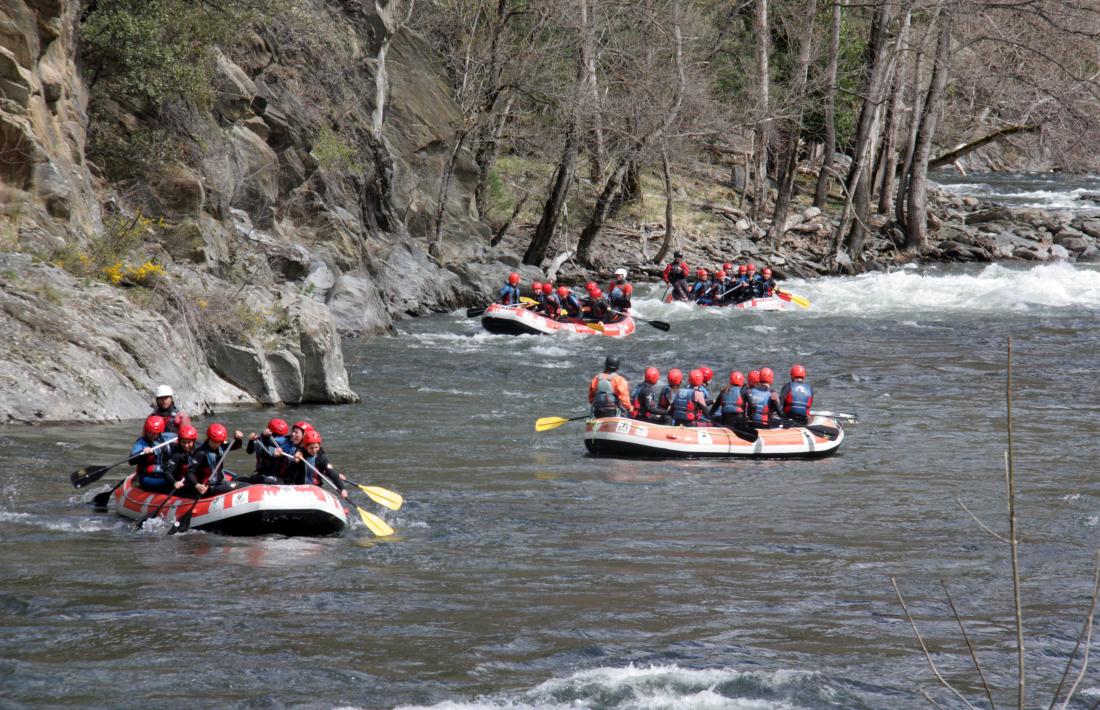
(525, 574)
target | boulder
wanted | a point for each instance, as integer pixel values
(246, 367)
(287, 375)
(1075, 244)
(233, 89)
(1090, 227)
(356, 305)
(324, 378)
(810, 213)
(1028, 254)
(178, 190)
(992, 214)
(257, 176)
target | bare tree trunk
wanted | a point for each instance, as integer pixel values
(614, 183)
(794, 130)
(592, 92)
(441, 197)
(763, 123)
(630, 190)
(872, 97)
(487, 154)
(821, 192)
(499, 236)
(889, 161)
(667, 173)
(555, 201)
(916, 235)
(952, 156)
(914, 120)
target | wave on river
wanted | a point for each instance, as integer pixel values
(928, 290)
(670, 687)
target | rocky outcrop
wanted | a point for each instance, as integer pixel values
(311, 247)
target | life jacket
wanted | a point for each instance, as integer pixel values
(757, 283)
(732, 404)
(269, 463)
(665, 400)
(605, 396)
(552, 305)
(643, 395)
(600, 308)
(683, 407)
(171, 418)
(760, 399)
(767, 287)
(572, 306)
(310, 478)
(675, 271)
(205, 460)
(509, 295)
(798, 399)
(150, 465)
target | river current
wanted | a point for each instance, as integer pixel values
(525, 574)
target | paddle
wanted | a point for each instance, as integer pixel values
(834, 415)
(101, 499)
(548, 423)
(658, 324)
(376, 525)
(90, 474)
(183, 524)
(786, 296)
(381, 496)
(475, 311)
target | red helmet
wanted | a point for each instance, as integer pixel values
(562, 292)
(536, 286)
(701, 272)
(304, 426)
(154, 426)
(754, 377)
(188, 433)
(311, 437)
(695, 378)
(766, 375)
(590, 286)
(742, 269)
(767, 271)
(652, 374)
(217, 433)
(707, 373)
(798, 371)
(721, 274)
(278, 427)
(513, 278)
(547, 289)
(736, 378)
(675, 377)
(752, 267)
(727, 266)
(597, 293)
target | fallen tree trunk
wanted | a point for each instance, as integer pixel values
(948, 158)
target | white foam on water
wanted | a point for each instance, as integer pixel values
(439, 390)
(914, 291)
(72, 524)
(665, 687)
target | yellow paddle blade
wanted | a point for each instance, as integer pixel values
(383, 496)
(804, 302)
(598, 327)
(528, 300)
(375, 524)
(548, 423)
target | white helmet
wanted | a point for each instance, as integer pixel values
(164, 391)
(621, 271)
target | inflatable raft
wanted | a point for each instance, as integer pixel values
(516, 320)
(769, 303)
(248, 510)
(616, 436)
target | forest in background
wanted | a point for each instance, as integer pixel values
(852, 102)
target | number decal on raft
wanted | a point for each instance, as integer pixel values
(622, 428)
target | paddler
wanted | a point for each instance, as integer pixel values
(619, 291)
(202, 477)
(275, 437)
(668, 395)
(551, 304)
(600, 308)
(797, 396)
(509, 292)
(729, 407)
(571, 305)
(310, 463)
(181, 457)
(675, 275)
(690, 406)
(149, 461)
(767, 283)
(646, 401)
(609, 393)
(762, 406)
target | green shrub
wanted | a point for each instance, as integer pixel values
(334, 154)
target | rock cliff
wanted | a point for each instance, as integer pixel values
(297, 207)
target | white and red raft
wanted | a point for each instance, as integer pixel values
(248, 510)
(517, 320)
(617, 436)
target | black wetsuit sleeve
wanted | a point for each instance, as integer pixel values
(251, 448)
(328, 471)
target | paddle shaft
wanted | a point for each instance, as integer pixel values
(184, 523)
(97, 473)
(658, 324)
(100, 500)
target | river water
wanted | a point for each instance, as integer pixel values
(525, 574)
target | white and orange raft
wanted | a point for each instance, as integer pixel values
(248, 510)
(617, 436)
(517, 320)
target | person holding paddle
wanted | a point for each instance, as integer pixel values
(310, 463)
(570, 304)
(164, 406)
(181, 457)
(797, 396)
(767, 283)
(644, 399)
(676, 275)
(206, 477)
(149, 454)
(509, 293)
(609, 392)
